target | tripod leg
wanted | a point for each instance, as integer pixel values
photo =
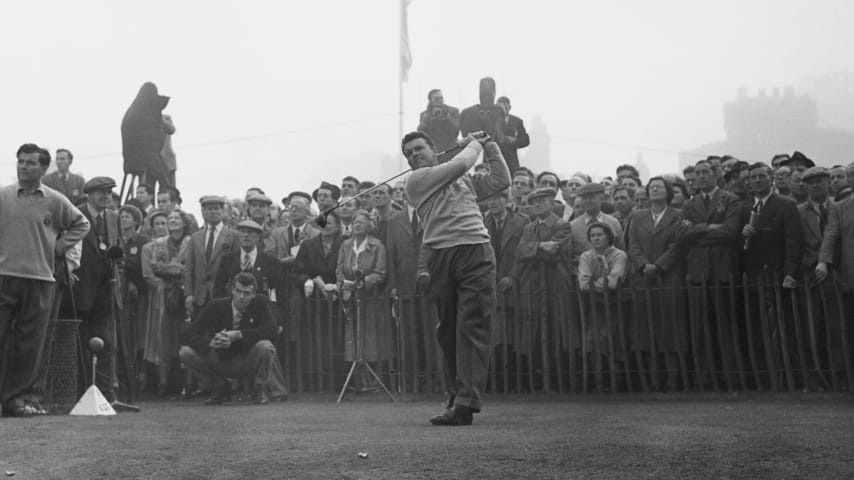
(380, 382)
(347, 382)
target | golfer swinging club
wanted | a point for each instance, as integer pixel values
(461, 263)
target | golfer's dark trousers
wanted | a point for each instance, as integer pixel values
(462, 279)
(25, 305)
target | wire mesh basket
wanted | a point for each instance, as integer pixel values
(59, 369)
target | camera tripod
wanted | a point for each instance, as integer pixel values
(360, 360)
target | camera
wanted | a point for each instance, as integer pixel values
(359, 276)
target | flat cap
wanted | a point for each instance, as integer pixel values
(591, 188)
(542, 192)
(333, 189)
(259, 197)
(796, 159)
(250, 225)
(99, 183)
(299, 195)
(210, 199)
(815, 172)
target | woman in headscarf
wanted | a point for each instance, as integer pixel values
(163, 270)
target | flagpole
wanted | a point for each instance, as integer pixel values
(401, 6)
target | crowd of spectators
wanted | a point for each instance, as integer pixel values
(723, 221)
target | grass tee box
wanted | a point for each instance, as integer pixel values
(650, 436)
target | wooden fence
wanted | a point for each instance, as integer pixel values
(750, 334)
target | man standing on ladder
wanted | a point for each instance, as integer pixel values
(461, 261)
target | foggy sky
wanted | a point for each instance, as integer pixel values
(651, 74)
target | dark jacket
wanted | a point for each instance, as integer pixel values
(265, 270)
(132, 263)
(312, 261)
(778, 245)
(514, 127)
(442, 125)
(403, 247)
(96, 269)
(712, 255)
(256, 324)
(505, 242)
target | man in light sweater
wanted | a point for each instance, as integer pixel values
(461, 264)
(37, 224)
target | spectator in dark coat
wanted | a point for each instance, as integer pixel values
(505, 231)
(232, 338)
(440, 122)
(249, 259)
(713, 219)
(657, 260)
(545, 265)
(515, 135)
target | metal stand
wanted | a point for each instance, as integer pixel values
(117, 341)
(360, 360)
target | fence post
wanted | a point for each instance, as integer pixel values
(828, 339)
(846, 348)
(621, 331)
(653, 353)
(796, 317)
(748, 321)
(637, 334)
(608, 325)
(720, 316)
(736, 337)
(784, 335)
(767, 335)
(707, 335)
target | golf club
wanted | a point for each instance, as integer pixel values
(320, 220)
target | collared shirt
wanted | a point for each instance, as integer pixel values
(567, 212)
(217, 229)
(657, 218)
(764, 199)
(357, 249)
(588, 219)
(252, 255)
(38, 188)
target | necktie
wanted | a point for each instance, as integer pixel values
(822, 218)
(238, 315)
(209, 246)
(758, 207)
(706, 201)
(99, 226)
(414, 220)
(247, 263)
(296, 236)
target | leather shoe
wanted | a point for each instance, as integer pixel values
(455, 416)
(220, 396)
(259, 396)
